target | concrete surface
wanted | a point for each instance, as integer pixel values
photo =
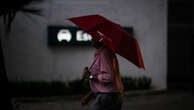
(176, 100)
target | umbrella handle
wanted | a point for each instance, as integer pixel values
(83, 78)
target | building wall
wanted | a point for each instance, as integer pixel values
(29, 57)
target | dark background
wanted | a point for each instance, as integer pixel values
(180, 44)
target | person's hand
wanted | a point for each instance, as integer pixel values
(85, 100)
(86, 73)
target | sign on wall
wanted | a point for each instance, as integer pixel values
(58, 35)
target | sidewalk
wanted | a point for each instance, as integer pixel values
(136, 100)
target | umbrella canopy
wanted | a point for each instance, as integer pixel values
(112, 36)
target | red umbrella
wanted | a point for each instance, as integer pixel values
(112, 36)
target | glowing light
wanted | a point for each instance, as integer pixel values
(64, 34)
(82, 36)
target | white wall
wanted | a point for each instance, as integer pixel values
(28, 57)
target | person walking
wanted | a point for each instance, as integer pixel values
(104, 76)
(105, 80)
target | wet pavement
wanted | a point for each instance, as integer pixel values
(173, 100)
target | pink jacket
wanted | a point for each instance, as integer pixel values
(106, 68)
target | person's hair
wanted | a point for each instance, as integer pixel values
(96, 43)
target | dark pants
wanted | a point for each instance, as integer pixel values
(107, 101)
